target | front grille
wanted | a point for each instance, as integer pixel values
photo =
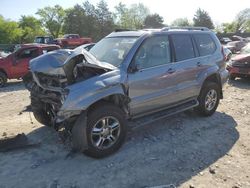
(57, 81)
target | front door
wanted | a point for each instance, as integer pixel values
(154, 84)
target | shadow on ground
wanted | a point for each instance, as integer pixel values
(170, 151)
(13, 85)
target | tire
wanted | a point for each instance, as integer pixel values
(3, 79)
(231, 77)
(208, 90)
(115, 118)
(40, 114)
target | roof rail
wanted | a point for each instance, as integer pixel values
(186, 28)
(120, 30)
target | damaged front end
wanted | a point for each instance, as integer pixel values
(58, 83)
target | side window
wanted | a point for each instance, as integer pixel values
(154, 51)
(28, 53)
(205, 44)
(183, 47)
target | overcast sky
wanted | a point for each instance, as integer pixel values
(219, 10)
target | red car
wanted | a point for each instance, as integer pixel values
(15, 65)
(72, 41)
(239, 66)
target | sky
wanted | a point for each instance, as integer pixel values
(220, 10)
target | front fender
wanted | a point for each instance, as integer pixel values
(79, 101)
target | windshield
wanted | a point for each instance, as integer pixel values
(246, 49)
(113, 50)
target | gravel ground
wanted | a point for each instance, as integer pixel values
(184, 150)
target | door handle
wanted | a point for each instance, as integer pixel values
(198, 64)
(171, 70)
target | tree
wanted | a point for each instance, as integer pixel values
(10, 33)
(131, 18)
(229, 27)
(202, 19)
(75, 20)
(52, 19)
(31, 27)
(181, 22)
(153, 21)
(243, 21)
(104, 19)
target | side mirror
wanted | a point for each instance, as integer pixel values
(133, 67)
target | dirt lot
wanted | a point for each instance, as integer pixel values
(181, 151)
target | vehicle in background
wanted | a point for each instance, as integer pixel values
(235, 46)
(44, 40)
(238, 38)
(225, 40)
(15, 65)
(72, 41)
(227, 53)
(86, 46)
(4, 54)
(137, 76)
(239, 66)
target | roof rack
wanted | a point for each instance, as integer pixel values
(185, 28)
(120, 30)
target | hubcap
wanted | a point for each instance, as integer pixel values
(210, 100)
(105, 132)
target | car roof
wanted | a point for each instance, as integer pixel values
(37, 45)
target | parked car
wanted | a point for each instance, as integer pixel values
(239, 66)
(227, 53)
(235, 46)
(44, 40)
(131, 76)
(239, 38)
(72, 41)
(15, 65)
(225, 40)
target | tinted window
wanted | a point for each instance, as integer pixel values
(183, 47)
(28, 53)
(154, 51)
(205, 44)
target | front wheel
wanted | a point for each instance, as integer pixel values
(106, 130)
(208, 99)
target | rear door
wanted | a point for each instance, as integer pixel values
(187, 65)
(153, 85)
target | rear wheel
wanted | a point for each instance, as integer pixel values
(106, 130)
(3, 79)
(208, 99)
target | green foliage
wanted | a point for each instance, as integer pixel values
(31, 27)
(9, 31)
(131, 18)
(202, 19)
(229, 27)
(153, 21)
(52, 19)
(242, 21)
(181, 22)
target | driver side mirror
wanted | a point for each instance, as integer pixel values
(133, 67)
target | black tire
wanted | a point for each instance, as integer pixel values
(3, 79)
(231, 77)
(207, 88)
(96, 115)
(40, 114)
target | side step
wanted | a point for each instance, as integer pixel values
(147, 119)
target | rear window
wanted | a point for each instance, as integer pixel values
(205, 44)
(183, 47)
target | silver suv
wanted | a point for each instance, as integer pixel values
(127, 78)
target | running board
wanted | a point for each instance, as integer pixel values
(147, 119)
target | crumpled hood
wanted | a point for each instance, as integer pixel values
(57, 62)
